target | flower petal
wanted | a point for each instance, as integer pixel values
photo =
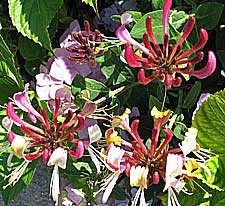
(207, 70)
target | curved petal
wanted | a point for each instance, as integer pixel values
(207, 70)
(123, 35)
(143, 79)
(79, 151)
(19, 122)
(22, 101)
(166, 11)
(131, 57)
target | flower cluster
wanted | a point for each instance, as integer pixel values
(167, 59)
(145, 166)
(50, 139)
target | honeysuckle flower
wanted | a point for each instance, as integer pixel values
(174, 170)
(166, 60)
(56, 77)
(43, 137)
(58, 159)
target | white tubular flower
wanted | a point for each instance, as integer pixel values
(95, 134)
(174, 167)
(114, 156)
(138, 178)
(58, 159)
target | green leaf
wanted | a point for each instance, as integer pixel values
(210, 122)
(92, 3)
(83, 166)
(157, 4)
(215, 180)
(177, 19)
(94, 87)
(153, 101)
(30, 50)
(33, 17)
(7, 65)
(192, 96)
(208, 14)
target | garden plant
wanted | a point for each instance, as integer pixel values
(122, 100)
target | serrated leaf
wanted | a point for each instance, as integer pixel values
(177, 19)
(208, 14)
(192, 96)
(210, 122)
(33, 17)
(215, 180)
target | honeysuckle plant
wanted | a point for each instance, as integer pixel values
(113, 135)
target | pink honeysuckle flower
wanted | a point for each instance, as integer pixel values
(45, 136)
(166, 60)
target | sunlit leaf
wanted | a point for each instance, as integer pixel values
(33, 17)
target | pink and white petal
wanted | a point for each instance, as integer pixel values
(23, 102)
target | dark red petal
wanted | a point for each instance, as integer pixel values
(200, 44)
(145, 80)
(131, 57)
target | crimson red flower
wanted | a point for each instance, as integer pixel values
(167, 59)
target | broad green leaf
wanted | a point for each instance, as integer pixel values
(208, 14)
(192, 96)
(177, 19)
(7, 65)
(30, 50)
(210, 122)
(93, 4)
(94, 87)
(215, 180)
(33, 17)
